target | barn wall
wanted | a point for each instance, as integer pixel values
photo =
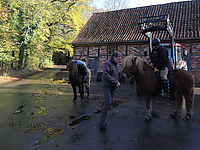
(192, 59)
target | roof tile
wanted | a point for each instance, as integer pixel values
(122, 25)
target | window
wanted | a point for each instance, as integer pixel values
(111, 49)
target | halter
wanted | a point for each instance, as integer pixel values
(129, 73)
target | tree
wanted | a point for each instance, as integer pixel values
(23, 27)
(115, 4)
(5, 43)
(32, 30)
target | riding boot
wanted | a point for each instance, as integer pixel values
(165, 88)
(162, 89)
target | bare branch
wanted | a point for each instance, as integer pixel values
(115, 4)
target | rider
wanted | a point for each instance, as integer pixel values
(160, 61)
(84, 66)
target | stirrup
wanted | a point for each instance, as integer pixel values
(165, 95)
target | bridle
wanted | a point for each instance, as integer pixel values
(129, 73)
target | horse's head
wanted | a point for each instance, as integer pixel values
(73, 69)
(133, 65)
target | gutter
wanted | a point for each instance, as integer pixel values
(188, 40)
(113, 42)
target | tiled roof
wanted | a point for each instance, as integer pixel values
(122, 25)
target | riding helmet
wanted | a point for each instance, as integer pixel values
(155, 42)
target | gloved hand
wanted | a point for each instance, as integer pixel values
(155, 69)
(152, 64)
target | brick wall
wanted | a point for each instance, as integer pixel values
(193, 51)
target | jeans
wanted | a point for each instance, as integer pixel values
(108, 95)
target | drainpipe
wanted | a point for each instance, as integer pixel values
(73, 50)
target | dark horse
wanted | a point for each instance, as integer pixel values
(181, 84)
(77, 80)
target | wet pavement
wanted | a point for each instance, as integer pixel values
(37, 112)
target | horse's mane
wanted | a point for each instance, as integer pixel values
(139, 62)
(73, 65)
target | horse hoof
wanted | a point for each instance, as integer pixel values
(74, 100)
(88, 96)
(82, 100)
(186, 118)
(147, 118)
(173, 115)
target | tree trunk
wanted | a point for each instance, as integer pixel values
(21, 55)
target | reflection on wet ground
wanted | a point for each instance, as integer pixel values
(48, 98)
(39, 110)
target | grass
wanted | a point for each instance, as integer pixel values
(14, 74)
(4, 79)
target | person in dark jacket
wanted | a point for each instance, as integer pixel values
(110, 83)
(160, 60)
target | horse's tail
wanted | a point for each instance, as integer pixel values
(192, 97)
(89, 75)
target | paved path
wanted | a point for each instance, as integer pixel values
(38, 113)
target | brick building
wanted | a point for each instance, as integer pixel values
(118, 30)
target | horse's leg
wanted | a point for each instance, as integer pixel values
(179, 99)
(189, 106)
(81, 91)
(148, 107)
(87, 91)
(75, 96)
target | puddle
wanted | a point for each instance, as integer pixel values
(71, 117)
(97, 111)
(20, 109)
(80, 119)
(115, 103)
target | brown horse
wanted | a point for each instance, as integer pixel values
(76, 77)
(181, 84)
